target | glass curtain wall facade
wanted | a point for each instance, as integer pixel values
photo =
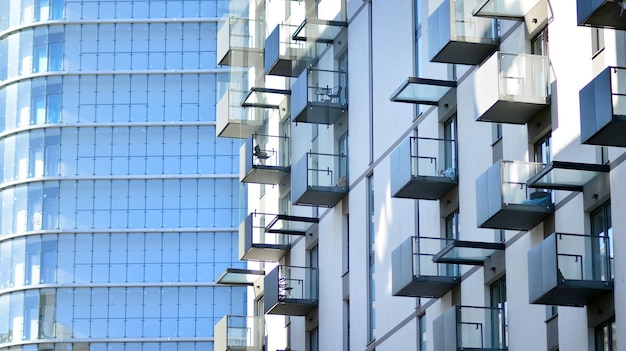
(119, 204)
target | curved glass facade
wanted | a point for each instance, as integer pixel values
(119, 206)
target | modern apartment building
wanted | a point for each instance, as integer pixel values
(429, 175)
(120, 206)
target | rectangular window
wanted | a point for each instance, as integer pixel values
(605, 335)
(449, 133)
(346, 325)
(543, 149)
(499, 326)
(539, 44)
(452, 225)
(371, 317)
(601, 227)
(597, 40)
(422, 336)
(345, 243)
(314, 340)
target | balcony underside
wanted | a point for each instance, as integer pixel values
(465, 52)
(265, 174)
(574, 293)
(513, 112)
(518, 217)
(426, 187)
(612, 134)
(292, 307)
(285, 67)
(610, 15)
(242, 57)
(320, 113)
(238, 129)
(428, 286)
(326, 196)
(265, 252)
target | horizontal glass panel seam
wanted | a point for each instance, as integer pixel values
(112, 285)
(159, 72)
(163, 20)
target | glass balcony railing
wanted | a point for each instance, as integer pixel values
(431, 170)
(255, 243)
(505, 9)
(264, 159)
(504, 201)
(319, 30)
(415, 274)
(319, 179)
(239, 333)
(601, 13)
(235, 121)
(603, 108)
(521, 92)
(459, 37)
(240, 42)
(471, 328)
(268, 237)
(570, 269)
(319, 96)
(285, 56)
(291, 291)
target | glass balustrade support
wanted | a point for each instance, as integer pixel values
(240, 42)
(423, 168)
(603, 108)
(470, 328)
(521, 92)
(239, 277)
(601, 13)
(291, 291)
(235, 121)
(265, 97)
(415, 274)
(572, 176)
(319, 96)
(264, 159)
(319, 30)
(504, 9)
(319, 179)
(504, 201)
(422, 91)
(467, 252)
(285, 56)
(459, 37)
(239, 333)
(256, 244)
(570, 269)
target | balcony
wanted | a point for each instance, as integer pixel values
(291, 291)
(504, 201)
(285, 56)
(423, 168)
(239, 333)
(505, 9)
(319, 179)
(423, 91)
(603, 108)
(268, 237)
(415, 274)
(240, 42)
(235, 121)
(571, 176)
(470, 328)
(467, 252)
(264, 159)
(319, 96)
(319, 30)
(511, 88)
(601, 13)
(570, 269)
(456, 36)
